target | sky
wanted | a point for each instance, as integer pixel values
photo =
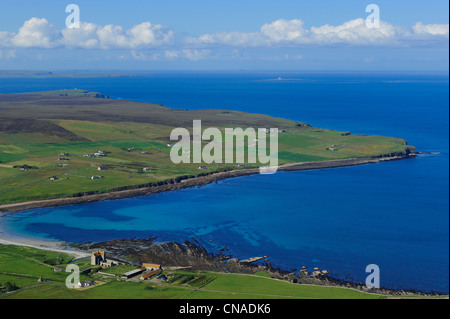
(150, 35)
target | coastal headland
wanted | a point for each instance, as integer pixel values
(74, 146)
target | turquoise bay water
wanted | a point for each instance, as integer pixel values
(393, 214)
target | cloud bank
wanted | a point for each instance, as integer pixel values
(354, 32)
(41, 34)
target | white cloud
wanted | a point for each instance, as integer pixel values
(39, 33)
(293, 33)
(84, 37)
(195, 55)
(284, 31)
(5, 39)
(36, 33)
(293, 57)
(141, 36)
(138, 55)
(355, 32)
(431, 29)
(171, 54)
(240, 39)
(11, 54)
(145, 57)
(280, 31)
(190, 54)
(146, 34)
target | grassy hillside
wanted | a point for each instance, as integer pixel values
(35, 128)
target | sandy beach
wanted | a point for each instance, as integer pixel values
(9, 239)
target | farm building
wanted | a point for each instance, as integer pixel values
(107, 264)
(151, 266)
(150, 274)
(86, 283)
(133, 273)
(162, 278)
(96, 154)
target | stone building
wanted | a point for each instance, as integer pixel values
(97, 257)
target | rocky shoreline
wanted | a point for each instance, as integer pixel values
(201, 181)
(192, 256)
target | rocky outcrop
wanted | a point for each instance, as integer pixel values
(173, 255)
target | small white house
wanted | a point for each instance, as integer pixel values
(86, 283)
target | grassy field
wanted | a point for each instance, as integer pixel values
(35, 128)
(24, 266)
(247, 286)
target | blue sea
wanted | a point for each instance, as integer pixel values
(393, 214)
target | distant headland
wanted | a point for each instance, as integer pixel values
(280, 79)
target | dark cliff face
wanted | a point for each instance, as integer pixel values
(407, 152)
